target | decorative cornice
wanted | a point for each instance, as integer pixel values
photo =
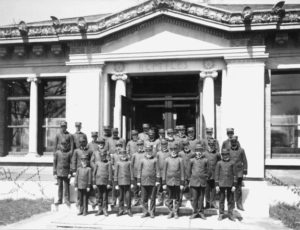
(197, 11)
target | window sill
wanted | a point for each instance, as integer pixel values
(282, 162)
(28, 159)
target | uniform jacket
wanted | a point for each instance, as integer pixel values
(186, 161)
(131, 147)
(212, 158)
(135, 162)
(148, 172)
(179, 140)
(198, 171)
(161, 157)
(227, 144)
(102, 173)
(96, 157)
(123, 173)
(76, 137)
(114, 158)
(76, 159)
(83, 178)
(67, 136)
(107, 140)
(154, 143)
(205, 141)
(238, 157)
(92, 146)
(225, 174)
(143, 136)
(62, 163)
(112, 143)
(193, 143)
(158, 146)
(173, 174)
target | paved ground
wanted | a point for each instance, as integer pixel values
(63, 220)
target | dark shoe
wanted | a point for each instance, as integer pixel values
(230, 217)
(84, 214)
(120, 213)
(58, 203)
(170, 215)
(193, 216)
(105, 213)
(240, 207)
(144, 215)
(176, 215)
(220, 217)
(80, 213)
(129, 213)
(202, 216)
(152, 215)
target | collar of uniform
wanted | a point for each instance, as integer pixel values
(226, 160)
(235, 148)
(165, 150)
(190, 138)
(116, 138)
(187, 152)
(65, 132)
(78, 132)
(199, 157)
(141, 151)
(83, 148)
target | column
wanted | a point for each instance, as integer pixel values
(33, 116)
(208, 97)
(120, 91)
(106, 100)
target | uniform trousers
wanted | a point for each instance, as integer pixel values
(83, 196)
(160, 192)
(238, 191)
(102, 197)
(210, 192)
(230, 200)
(148, 192)
(173, 195)
(124, 197)
(136, 191)
(198, 198)
(63, 185)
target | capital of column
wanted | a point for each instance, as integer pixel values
(33, 79)
(208, 74)
(119, 76)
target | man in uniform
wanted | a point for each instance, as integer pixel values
(161, 134)
(227, 143)
(173, 180)
(209, 135)
(131, 146)
(151, 141)
(63, 135)
(213, 157)
(238, 157)
(82, 150)
(191, 137)
(144, 135)
(114, 139)
(93, 145)
(107, 136)
(176, 131)
(170, 136)
(78, 134)
(180, 136)
(96, 155)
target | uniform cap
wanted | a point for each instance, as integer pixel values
(146, 125)
(148, 147)
(151, 131)
(209, 130)
(176, 127)
(140, 142)
(115, 130)
(230, 130)
(94, 134)
(164, 142)
(77, 123)
(234, 138)
(181, 127)
(170, 131)
(191, 129)
(161, 131)
(119, 142)
(225, 151)
(101, 140)
(106, 127)
(134, 132)
(199, 146)
(63, 123)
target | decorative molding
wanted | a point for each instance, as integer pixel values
(206, 12)
(245, 60)
(33, 80)
(3, 52)
(208, 74)
(19, 50)
(119, 76)
(38, 50)
(56, 49)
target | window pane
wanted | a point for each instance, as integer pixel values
(54, 87)
(18, 88)
(285, 82)
(48, 138)
(285, 105)
(18, 112)
(19, 139)
(54, 109)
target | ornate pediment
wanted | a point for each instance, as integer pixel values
(197, 13)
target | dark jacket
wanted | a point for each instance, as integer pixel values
(148, 172)
(95, 157)
(76, 137)
(238, 157)
(67, 136)
(193, 143)
(135, 162)
(102, 173)
(186, 161)
(62, 163)
(131, 147)
(161, 157)
(83, 178)
(225, 174)
(76, 159)
(198, 171)
(123, 173)
(173, 174)
(212, 158)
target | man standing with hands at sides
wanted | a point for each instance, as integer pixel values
(148, 178)
(93, 145)
(173, 180)
(238, 157)
(144, 135)
(225, 178)
(124, 182)
(198, 174)
(132, 146)
(64, 134)
(78, 134)
(227, 143)
(191, 138)
(83, 182)
(107, 136)
(161, 134)
(209, 135)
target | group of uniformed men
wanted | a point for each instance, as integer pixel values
(169, 167)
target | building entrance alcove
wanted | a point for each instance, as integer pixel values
(163, 101)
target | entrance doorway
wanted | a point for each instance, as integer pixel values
(164, 101)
